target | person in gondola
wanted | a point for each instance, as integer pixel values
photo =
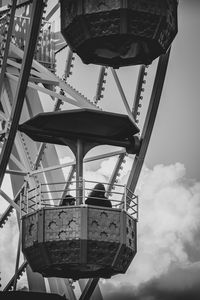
(97, 197)
(68, 200)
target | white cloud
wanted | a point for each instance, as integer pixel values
(182, 277)
(108, 165)
(8, 249)
(169, 209)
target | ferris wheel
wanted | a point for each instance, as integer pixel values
(57, 85)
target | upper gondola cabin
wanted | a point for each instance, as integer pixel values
(119, 33)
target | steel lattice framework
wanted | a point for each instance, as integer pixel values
(28, 50)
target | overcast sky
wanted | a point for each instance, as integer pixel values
(166, 266)
(177, 126)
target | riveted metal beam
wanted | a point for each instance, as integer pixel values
(7, 43)
(149, 120)
(89, 289)
(35, 21)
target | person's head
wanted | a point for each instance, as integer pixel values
(68, 200)
(98, 191)
(71, 201)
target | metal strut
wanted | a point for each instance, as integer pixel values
(149, 121)
(139, 90)
(21, 269)
(89, 289)
(7, 45)
(35, 21)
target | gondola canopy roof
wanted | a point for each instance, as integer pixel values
(90, 125)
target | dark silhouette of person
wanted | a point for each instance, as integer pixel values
(68, 200)
(97, 197)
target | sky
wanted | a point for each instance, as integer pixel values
(167, 263)
(177, 124)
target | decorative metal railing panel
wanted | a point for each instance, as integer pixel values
(79, 241)
(51, 195)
